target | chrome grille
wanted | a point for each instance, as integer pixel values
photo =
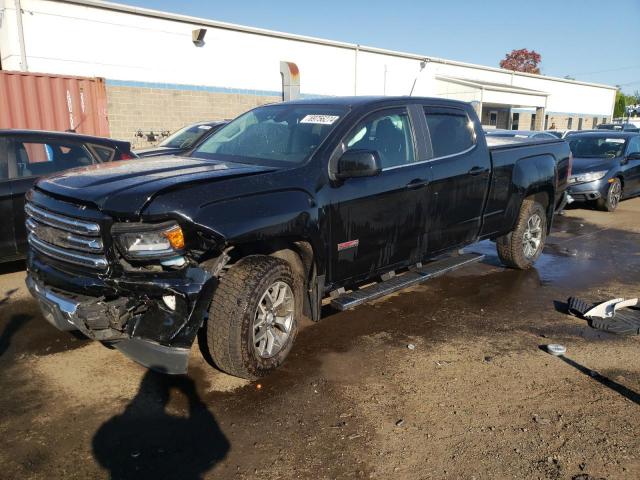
(65, 238)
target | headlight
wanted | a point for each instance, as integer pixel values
(148, 241)
(589, 177)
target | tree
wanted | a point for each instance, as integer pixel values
(619, 106)
(633, 99)
(522, 60)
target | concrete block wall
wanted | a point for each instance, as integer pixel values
(133, 108)
(561, 121)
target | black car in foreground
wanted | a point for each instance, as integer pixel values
(25, 156)
(183, 140)
(288, 204)
(606, 167)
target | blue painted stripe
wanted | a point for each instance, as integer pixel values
(202, 88)
(198, 88)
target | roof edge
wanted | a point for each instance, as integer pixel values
(198, 21)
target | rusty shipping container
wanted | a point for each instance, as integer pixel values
(53, 102)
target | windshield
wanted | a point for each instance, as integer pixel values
(281, 134)
(608, 126)
(601, 147)
(185, 137)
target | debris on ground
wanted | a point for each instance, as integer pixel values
(556, 349)
(618, 315)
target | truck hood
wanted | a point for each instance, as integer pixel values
(590, 164)
(124, 188)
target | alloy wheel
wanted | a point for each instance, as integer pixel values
(532, 237)
(273, 320)
(615, 193)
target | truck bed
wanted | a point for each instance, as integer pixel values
(495, 143)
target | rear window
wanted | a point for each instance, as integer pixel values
(451, 131)
(37, 158)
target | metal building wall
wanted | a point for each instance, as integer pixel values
(53, 102)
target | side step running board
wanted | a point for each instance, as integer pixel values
(412, 277)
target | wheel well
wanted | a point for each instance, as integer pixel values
(619, 177)
(543, 198)
(298, 254)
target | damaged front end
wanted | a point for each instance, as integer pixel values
(93, 275)
(153, 324)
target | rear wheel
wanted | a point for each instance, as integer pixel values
(614, 194)
(521, 247)
(253, 318)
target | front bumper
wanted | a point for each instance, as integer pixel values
(585, 192)
(137, 322)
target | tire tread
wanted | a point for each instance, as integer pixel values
(509, 246)
(229, 308)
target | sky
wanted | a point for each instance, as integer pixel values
(590, 40)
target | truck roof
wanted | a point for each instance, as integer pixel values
(354, 101)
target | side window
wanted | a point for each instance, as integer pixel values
(450, 130)
(4, 164)
(388, 133)
(634, 145)
(34, 158)
(103, 153)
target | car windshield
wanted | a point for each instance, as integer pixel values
(276, 135)
(185, 137)
(609, 126)
(596, 147)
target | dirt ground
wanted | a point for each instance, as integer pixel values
(477, 398)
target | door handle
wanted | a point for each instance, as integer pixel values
(477, 171)
(417, 183)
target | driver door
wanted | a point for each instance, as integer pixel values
(379, 223)
(632, 168)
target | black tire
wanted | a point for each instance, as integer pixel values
(229, 329)
(614, 194)
(511, 248)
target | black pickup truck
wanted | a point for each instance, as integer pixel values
(286, 207)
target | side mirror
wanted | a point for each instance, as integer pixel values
(359, 163)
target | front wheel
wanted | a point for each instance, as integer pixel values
(253, 318)
(614, 195)
(521, 247)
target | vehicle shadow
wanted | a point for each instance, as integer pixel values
(606, 381)
(7, 296)
(146, 441)
(12, 267)
(15, 323)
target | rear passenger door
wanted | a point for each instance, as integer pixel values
(31, 158)
(460, 174)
